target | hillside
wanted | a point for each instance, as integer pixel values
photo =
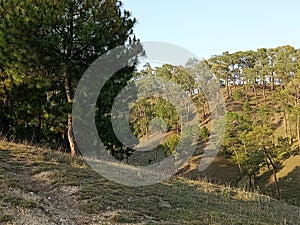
(43, 187)
(224, 171)
(289, 180)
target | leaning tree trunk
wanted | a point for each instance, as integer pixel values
(274, 173)
(71, 138)
(238, 161)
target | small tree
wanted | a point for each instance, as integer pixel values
(264, 143)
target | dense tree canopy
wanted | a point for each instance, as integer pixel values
(45, 46)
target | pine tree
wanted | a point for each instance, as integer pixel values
(61, 38)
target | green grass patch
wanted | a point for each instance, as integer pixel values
(16, 201)
(126, 217)
(5, 218)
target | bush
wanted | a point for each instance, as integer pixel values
(237, 96)
(171, 143)
(204, 134)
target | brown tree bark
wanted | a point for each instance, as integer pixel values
(238, 163)
(286, 128)
(264, 90)
(298, 131)
(255, 94)
(71, 138)
(227, 87)
(272, 83)
(274, 172)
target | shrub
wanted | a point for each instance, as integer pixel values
(204, 134)
(171, 143)
(237, 96)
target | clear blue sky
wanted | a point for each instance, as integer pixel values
(210, 27)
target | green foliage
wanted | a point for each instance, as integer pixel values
(171, 143)
(251, 141)
(204, 134)
(103, 110)
(283, 148)
(237, 95)
(155, 112)
(16, 201)
(5, 218)
(46, 45)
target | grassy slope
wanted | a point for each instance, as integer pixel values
(42, 187)
(289, 180)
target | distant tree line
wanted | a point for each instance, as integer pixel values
(267, 68)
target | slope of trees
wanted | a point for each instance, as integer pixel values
(271, 75)
(45, 47)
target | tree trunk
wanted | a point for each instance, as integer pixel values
(5, 125)
(238, 161)
(274, 173)
(255, 93)
(298, 131)
(272, 83)
(227, 87)
(297, 119)
(254, 182)
(71, 138)
(264, 90)
(188, 110)
(272, 89)
(239, 77)
(286, 128)
(203, 111)
(290, 130)
(4, 119)
(250, 182)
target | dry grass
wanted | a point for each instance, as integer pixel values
(50, 187)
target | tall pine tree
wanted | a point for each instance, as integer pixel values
(53, 42)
